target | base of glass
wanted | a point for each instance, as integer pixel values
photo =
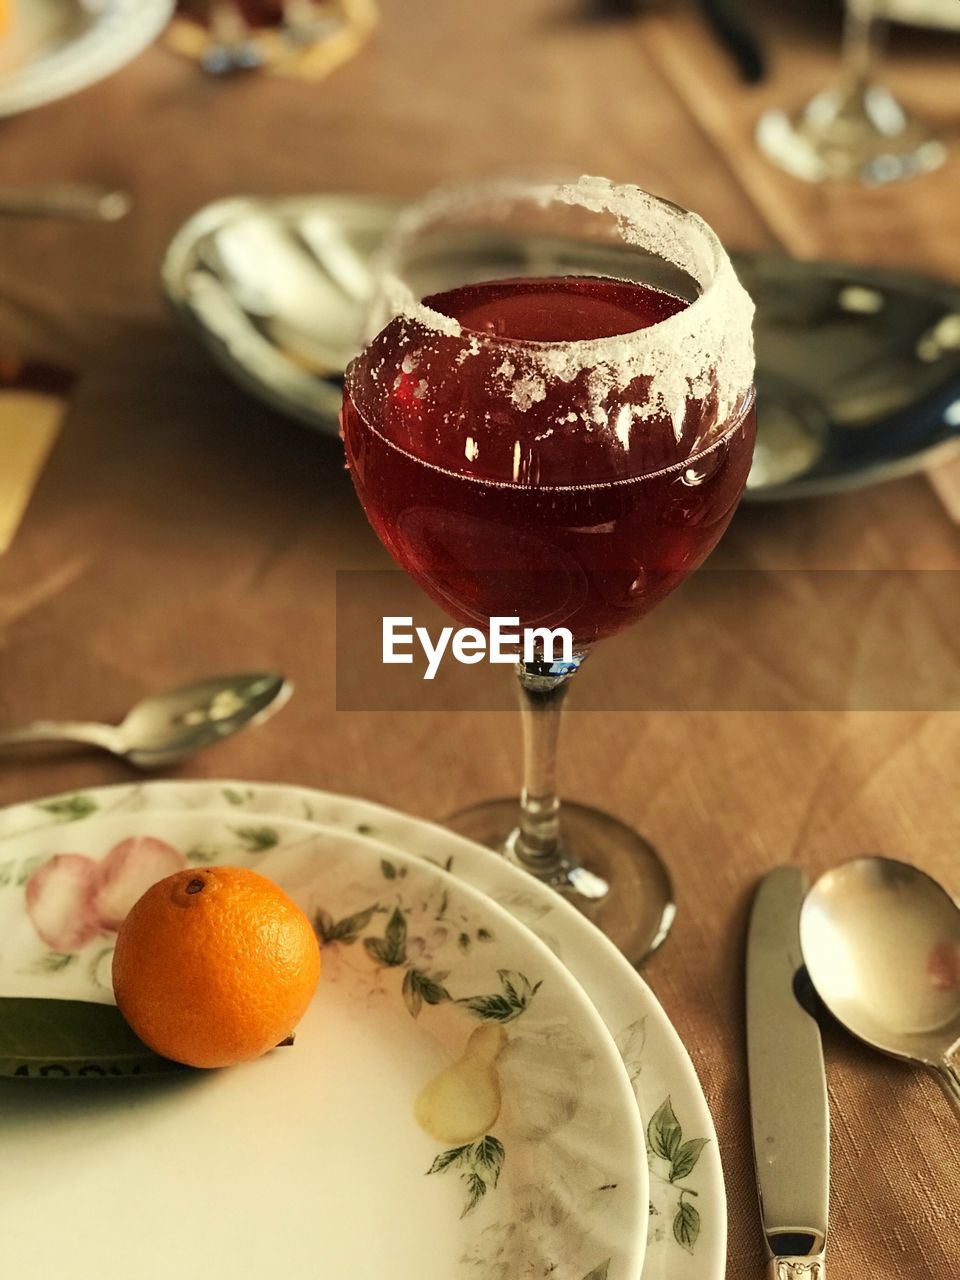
(861, 134)
(605, 869)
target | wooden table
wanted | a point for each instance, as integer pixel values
(180, 529)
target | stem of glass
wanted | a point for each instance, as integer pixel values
(861, 44)
(542, 696)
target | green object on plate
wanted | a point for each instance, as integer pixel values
(70, 1040)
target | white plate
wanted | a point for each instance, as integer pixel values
(687, 1226)
(944, 14)
(314, 1160)
(56, 47)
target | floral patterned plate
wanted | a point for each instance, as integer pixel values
(453, 1105)
(687, 1224)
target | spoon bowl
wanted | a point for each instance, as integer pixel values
(881, 943)
(167, 727)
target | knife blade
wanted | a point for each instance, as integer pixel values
(789, 1109)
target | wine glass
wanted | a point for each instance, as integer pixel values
(855, 128)
(554, 423)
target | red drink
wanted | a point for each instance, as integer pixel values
(509, 486)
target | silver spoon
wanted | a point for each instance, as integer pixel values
(881, 943)
(164, 729)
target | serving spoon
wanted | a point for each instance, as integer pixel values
(169, 727)
(881, 943)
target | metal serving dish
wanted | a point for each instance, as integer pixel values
(858, 375)
(279, 290)
(858, 369)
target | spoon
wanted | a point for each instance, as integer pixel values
(169, 727)
(881, 943)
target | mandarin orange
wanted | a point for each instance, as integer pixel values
(215, 966)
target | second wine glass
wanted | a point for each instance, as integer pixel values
(854, 129)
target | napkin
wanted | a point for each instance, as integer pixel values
(33, 400)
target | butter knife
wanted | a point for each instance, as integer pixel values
(789, 1110)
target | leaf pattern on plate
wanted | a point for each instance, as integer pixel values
(421, 988)
(61, 809)
(54, 961)
(480, 1164)
(631, 1043)
(391, 949)
(257, 839)
(686, 1158)
(665, 1143)
(664, 1132)
(70, 808)
(233, 795)
(347, 930)
(506, 1005)
(202, 855)
(686, 1225)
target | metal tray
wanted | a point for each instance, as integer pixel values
(858, 369)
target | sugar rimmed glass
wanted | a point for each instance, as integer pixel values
(554, 422)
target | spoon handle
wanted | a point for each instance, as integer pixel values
(75, 201)
(949, 1077)
(98, 735)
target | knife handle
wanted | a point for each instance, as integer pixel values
(798, 1268)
